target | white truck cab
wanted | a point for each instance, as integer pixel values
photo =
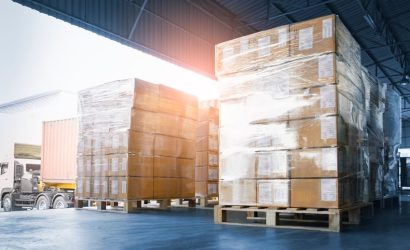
(18, 176)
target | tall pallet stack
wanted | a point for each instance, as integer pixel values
(206, 163)
(375, 106)
(292, 118)
(136, 142)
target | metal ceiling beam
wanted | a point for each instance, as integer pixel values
(281, 11)
(372, 57)
(384, 60)
(134, 26)
(375, 14)
(388, 45)
(291, 12)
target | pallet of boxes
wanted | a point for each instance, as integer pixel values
(207, 146)
(136, 143)
(292, 127)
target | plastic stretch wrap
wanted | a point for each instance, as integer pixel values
(392, 135)
(290, 122)
(207, 146)
(135, 139)
(284, 43)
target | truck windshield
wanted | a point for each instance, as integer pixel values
(33, 167)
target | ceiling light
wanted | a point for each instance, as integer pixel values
(405, 80)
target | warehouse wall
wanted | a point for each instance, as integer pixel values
(181, 31)
(405, 142)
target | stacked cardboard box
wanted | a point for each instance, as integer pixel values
(207, 146)
(136, 141)
(292, 117)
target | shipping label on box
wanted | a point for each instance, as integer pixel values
(272, 164)
(328, 189)
(274, 192)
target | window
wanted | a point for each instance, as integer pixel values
(3, 168)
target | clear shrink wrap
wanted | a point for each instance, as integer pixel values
(287, 122)
(392, 135)
(284, 43)
(207, 147)
(375, 106)
(134, 132)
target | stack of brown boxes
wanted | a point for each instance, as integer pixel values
(292, 117)
(136, 141)
(207, 145)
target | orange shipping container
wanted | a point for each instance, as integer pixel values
(59, 151)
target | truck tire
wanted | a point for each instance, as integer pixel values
(59, 203)
(42, 203)
(7, 203)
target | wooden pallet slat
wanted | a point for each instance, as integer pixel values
(301, 218)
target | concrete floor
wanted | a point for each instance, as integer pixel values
(184, 228)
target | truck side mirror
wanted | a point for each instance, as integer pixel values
(4, 167)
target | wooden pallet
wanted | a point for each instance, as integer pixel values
(184, 202)
(209, 201)
(294, 218)
(126, 206)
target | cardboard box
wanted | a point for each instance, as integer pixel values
(84, 166)
(177, 108)
(207, 128)
(79, 190)
(272, 164)
(319, 162)
(207, 143)
(208, 114)
(131, 165)
(167, 124)
(185, 148)
(273, 193)
(186, 187)
(173, 167)
(324, 193)
(130, 188)
(146, 96)
(165, 145)
(206, 173)
(322, 132)
(237, 165)
(186, 168)
(167, 188)
(130, 141)
(315, 102)
(206, 189)
(87, 187)
(165, 166)
(144, 121)
(237, 192)
(206, 158)
(187, 128)
(252, 51)
(173, 94)
(312, 71)
(84, 145)
(313, 36)
(101, 165)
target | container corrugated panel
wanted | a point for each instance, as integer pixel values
(59, 151)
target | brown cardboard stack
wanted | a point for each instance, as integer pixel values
(292, 124)
(137, 141)
(207, 146)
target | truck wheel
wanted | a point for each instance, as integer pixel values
(7, 203)
(60, 203)
(42, 203)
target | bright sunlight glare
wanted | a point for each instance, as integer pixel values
(41, 53)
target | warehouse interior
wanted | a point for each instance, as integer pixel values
(197, 35)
